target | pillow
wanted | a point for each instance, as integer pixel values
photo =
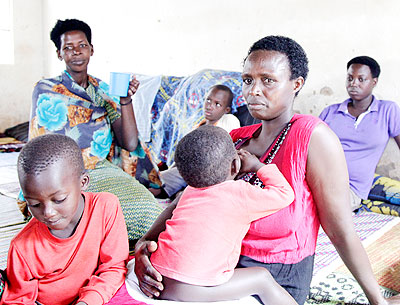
(19, 132)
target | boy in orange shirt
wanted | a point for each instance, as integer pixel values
(75, 248)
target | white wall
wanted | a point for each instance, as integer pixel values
(180, 37)
(17, 80)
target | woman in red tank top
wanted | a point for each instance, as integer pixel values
(310, 156)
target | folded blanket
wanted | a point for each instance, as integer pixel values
(385, 189)
(9, 144)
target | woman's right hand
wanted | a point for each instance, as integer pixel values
(149, 278)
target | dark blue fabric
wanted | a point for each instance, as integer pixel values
(385, 189)
(294, 278)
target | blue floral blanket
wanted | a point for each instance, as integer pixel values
(178, 108)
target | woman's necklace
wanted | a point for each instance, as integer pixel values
(252, 176)
(278, 144)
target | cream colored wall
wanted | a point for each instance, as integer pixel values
(180, 37)
(17, 80)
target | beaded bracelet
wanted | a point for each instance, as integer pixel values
(130, 102)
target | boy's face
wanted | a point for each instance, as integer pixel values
(359, 82)
(216, 105)
(54, 196)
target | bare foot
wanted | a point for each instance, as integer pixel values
(154, 191)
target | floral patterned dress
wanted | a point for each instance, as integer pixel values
(60, 105)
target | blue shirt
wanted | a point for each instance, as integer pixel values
(364, 138)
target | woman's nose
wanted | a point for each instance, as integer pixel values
(76, 50)
(255, 89)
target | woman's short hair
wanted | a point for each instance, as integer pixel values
(67, 25)
(298, 62)
(204, 156)
(43, 151)
(368, 61)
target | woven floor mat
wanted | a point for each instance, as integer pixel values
(369, 227)
(384, 255)
(332, 282)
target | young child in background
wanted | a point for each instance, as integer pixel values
(200, 246)
(75, 248)
(217, 108)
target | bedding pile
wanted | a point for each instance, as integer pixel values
(178, 107)
(9, 144)
(384, 197)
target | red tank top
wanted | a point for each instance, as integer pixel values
(289, 235)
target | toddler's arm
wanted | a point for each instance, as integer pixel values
(249, 162)
(277, 192)
(114, 251)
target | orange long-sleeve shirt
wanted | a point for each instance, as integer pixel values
(89, 266)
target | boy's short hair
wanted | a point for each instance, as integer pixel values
(67, 25)
(368, 61)
(41, 152)
(226, 89)
(204, 156)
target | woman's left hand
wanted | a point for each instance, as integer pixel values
(125, 128)
(133, 87)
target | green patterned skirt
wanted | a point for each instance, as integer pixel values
(139, 206)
